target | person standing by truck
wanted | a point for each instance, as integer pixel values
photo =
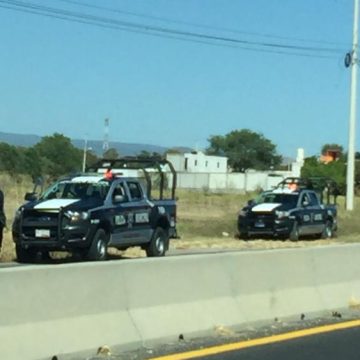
(2, 217)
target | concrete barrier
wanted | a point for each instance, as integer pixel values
(59, 309)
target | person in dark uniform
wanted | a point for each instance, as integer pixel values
(2, 217)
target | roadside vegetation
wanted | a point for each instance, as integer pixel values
(205, 220)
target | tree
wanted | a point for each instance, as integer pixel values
(10, 159)
(335, 170)
(333, 147)
(245, 149)
(147, 154)
(33, 163)
(91, 158)
(59, 155)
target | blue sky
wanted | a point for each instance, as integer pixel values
(59, 76)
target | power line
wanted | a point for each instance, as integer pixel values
(157, 18)
(84, 18)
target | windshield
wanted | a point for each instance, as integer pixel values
(77, 190)
(288, 199)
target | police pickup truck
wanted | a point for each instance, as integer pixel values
(286, 213)
(89, 212)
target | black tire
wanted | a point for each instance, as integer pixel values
(243, 236)
(328, 232)
(98, 248)
(25, 255)
(158, 244)
(294, 234)
(45, 256)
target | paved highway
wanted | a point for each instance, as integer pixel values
(314, 339)
(341, 344)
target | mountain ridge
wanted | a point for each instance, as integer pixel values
(124, 149)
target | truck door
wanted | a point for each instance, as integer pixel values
(140, 208)
(121, 216)
(130, 215)
(305, 214)
(318, 214)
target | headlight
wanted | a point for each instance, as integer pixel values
(242, 213)
(281, 214)
(76, 216)
(17, 214)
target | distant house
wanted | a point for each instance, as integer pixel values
(198, 162)
(330, 155)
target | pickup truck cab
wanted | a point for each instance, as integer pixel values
(88, 213)
(286, 213)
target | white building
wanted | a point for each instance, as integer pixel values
(196, 170)
(198, 162)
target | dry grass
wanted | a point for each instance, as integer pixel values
(14, 191)
(205, 221)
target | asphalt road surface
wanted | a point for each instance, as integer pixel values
(341, 344)
(330, 338)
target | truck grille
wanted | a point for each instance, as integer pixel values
(33, 220)
(261, 220)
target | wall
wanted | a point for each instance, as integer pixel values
(198, 162)
(249, 181)
(51, 310)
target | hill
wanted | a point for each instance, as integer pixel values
(125, 149)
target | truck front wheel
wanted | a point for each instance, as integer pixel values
(25, 255)
(159, 243)
(98, 248)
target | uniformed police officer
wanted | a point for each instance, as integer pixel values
(2, 217)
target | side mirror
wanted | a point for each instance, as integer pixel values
(38, 182)
(251, 202)
(30, 196)
(119, 198)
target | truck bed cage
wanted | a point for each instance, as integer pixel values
(324, 186)
(143, 164)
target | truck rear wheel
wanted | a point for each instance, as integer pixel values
(243, 235)
(327, 233)
(25, 255)
(159, 243)
(98, 248)
(294, 234)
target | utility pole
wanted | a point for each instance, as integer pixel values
(351, 60)
(84, 156)
(106, 136)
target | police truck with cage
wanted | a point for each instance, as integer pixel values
(105, 207)
(290, 211)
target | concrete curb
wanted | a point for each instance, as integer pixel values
(59, 309)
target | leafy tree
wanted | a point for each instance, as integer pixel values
(147, 154)
(33, 163)
(245, 149)
(91, 158)
(335, 170)
(328, 147)
(59, 155)
(10, 159)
